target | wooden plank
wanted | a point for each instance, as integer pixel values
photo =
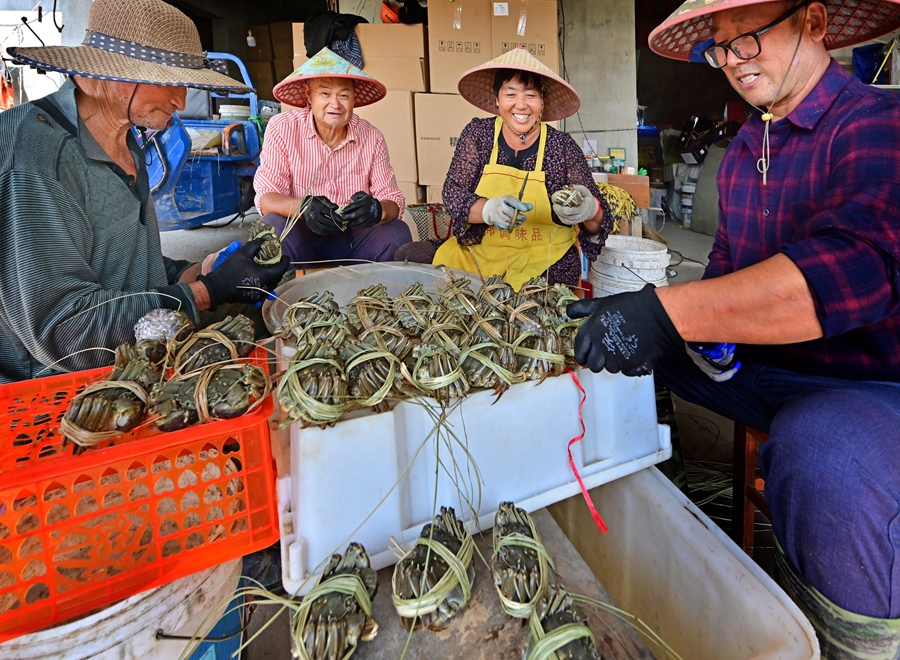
(637, 185)
(483, 631)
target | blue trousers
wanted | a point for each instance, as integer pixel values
(832, 471)
(377, 243)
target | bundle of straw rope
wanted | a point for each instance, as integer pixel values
(621, 203)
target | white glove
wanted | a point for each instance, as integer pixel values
(573, 215)
(715, 360)
(505, 212)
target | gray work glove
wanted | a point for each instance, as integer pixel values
(574, 215)
(505, 212)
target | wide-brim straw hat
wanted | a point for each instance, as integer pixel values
(850, 22)
(140, 41)
(477, 85)
(328, 64)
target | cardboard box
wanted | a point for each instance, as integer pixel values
(440, 118)
(283, 68)
(433, 194)
(262, 51)
(394, 117)
(263, 76)
(412, 191)
(282, 35)
(395, 55)
(637, 185)
(459, 38)
(530, 24)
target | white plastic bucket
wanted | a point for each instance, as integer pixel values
(127, 630)
(628, 263)
(608, 286)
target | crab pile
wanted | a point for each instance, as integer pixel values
(443, 345)
(171, 378)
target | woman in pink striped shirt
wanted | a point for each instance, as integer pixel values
(332, 167)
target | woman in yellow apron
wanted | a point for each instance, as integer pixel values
(504, 171)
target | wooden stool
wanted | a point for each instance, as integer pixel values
(747, 485)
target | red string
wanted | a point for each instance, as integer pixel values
(587, 498)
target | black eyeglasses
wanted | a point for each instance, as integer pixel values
(745, 46)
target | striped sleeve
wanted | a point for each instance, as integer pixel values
(383, 182)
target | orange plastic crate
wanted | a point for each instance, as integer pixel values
(80, 532)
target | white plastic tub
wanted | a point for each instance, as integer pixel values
(127, 629)
(667, 563)
(371, 478)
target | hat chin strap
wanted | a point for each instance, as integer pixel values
(762, 165)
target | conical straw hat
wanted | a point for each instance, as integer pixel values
(477, 85)
(141, 41)
(850, 22)
(328, 64)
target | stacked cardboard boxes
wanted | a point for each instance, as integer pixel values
(423, 115)
(463, 34)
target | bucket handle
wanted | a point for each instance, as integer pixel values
(249, 607)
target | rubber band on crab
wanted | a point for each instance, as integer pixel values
(521, 565)
(568, 197)
(443, 596)
(569, 627)
(322, 406)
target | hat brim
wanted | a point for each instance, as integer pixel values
(849, 24)
(477, 87)
(96, 63)
(366, 90)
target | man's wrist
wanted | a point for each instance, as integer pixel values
(201, 295)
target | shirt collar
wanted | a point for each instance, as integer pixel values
(65, 101)
(812, 108)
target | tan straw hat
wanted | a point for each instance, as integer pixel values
(328, 64)
(850, 22)
(141, 41)
(477, 85)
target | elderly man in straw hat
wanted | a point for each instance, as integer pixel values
(325, 172)
(804, 276)
(81, 257)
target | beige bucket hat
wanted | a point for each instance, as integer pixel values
(477, 85)
(328, 64)
(141, 41)
(850, 22)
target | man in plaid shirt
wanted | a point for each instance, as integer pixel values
(804, 277)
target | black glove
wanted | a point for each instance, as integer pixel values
(239, 270)
(627, 332)
(320, 216)
(363, 211)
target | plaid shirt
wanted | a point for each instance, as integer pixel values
(832, 205)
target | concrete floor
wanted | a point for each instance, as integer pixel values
(705, 436)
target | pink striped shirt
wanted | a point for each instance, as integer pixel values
(296, 162)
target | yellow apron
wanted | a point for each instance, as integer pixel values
(518, 254)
